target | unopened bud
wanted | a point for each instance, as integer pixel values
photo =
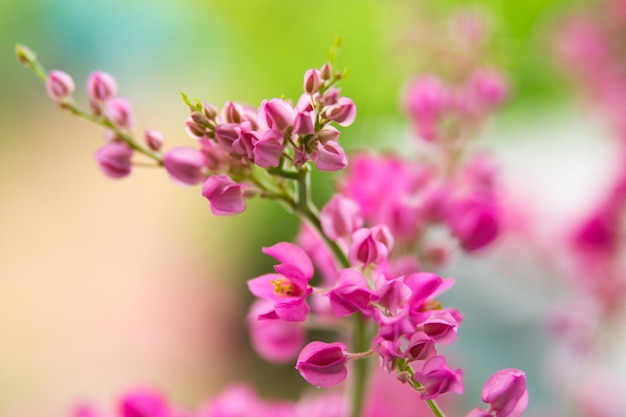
(403, 377)
(311, 81)
(199, 118)
(153, 139)
(59, 85)
(101, 86)
(209, 110)
(193, 130)
(118, 111)
(325, 72)
(24, 55)
(232, 112)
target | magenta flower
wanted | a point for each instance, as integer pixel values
(59, 85)
(288, 288)
(275, 114)
(323, 364)
(437, 378)
(343, 112)
(441, 325)
(475, 221)
(351, 294)
(274, 340)
(224, 194)
(101, 86)
(329, 156)
(114, 159)
(153, 139)
(421, 347)
(370, 245)
(143, 403)
(184, 165)
(505, 392)
(311, 81)
(268, 149)
(340, 217)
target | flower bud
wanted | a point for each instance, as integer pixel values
(475, 221)
(489, 88)
(119, 112)
(153, 139)
(340, 217)
(224, 194)
(101, 86)
(343, 112)
(59, 85)
(114, 159)
(268, 150)
(311, 81)
(303, 123)
(323, 364)
(276, 114)
(329, 157)
(193, 130)
(209, 111)
(505, 391)
(421, 347)
(328, 133)
(232, 112)
(325, 72)
(25, 55)
(184, 165)
(366, 249)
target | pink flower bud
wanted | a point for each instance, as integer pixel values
(303, 123)
(426, 98)
(232, 112)
(437, 378)
(366, 248)
(268, 150)
(311, 81)
(328, 133)
(275, 114)
(351, 294)
(59, 85)
(209, 111)
(119, 112)
(329, 157)
(226, 134)
(505, 392)
(340, 217)
(114, 159)
(326, 72)
(101, 86)
(489, 88)
(153, 139)
(441, 326)
(421, 347)
(193, 130)
(184, 165)
(343, 112)
(143, 403)
(323, 364)
(224, 194)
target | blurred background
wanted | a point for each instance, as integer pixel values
(106, 285)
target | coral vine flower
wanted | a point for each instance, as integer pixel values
(505, 392)
(323, 364)
(224, 194)
(114, 159)
(437, 378)
(184, 165)
(288, 288)
(59, 85)
(351, 294)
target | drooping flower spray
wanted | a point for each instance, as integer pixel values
(373, 245)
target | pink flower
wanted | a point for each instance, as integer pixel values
(340, 217)
(143, 403)
(437, 378)
(343, 112)
(288, 288)
(275, 114)
(224, 194)
(475, 221)
(153, 139)
(488, 87)
(184, 165)
(101, 86)
(119, 112)
(441, 325)
(425, 100)
(323, 364)
(421, 347)
(329, 156)
(304, 123)
(114, 159)
(59, 85)
(351, 294)
(268, 150)
(274, 340)
(370, 245)
(505, 392)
